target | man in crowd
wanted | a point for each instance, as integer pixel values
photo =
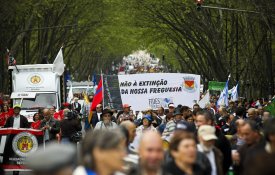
(171, 108)
(17, 120)
(196, 107)
(222, 143)
(220, 116)
(252, 137)
(96, 115)
(252, 115)
(266, 116)
(231, 109)
(207, 138)
(50, 126)
(125, 115)
(239, 114)
(151, 155)
(131, 129)
(171, 125)
(263, 153)
(76, 106)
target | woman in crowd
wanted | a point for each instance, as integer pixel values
(146, 125)
(7, 112)
(106, 121)
(102, 153)
(36, 121)
(183, 149)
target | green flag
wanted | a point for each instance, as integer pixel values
(216, 86)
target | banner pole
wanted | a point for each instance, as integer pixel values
(102, 89)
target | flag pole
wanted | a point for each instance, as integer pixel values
(102, 88)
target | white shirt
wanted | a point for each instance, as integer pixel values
(211, 157)
(16, 121)
(98, 116)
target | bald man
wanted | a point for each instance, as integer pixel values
(151, 155)
(131, 128)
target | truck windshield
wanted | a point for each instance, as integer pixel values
(40, 101)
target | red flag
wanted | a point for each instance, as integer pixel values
(97, 98)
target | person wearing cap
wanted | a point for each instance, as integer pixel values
(106, 121)
(96, 115)
(55, 160)
(204, 117)
(207, 138)
(171, 125)
(17, 120)
(171, 108)
(125, 115)
(146, 125)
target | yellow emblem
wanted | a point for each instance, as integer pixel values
(35, 79)
(25, 144)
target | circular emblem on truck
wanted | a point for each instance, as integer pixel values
(24, 144)
(35, 79)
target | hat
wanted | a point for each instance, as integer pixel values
(106, 111)
(171, 105)
(185, 126)
(17, 106)
(126, 106)
(53, 158)
(177, 112)
(148, 117)
(207, 132)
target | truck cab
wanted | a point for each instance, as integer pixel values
(34, 87)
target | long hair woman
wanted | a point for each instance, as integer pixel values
(102, 153)
(183, 149)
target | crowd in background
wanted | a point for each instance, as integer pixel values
(212, 140)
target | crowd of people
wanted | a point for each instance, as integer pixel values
(208, 140)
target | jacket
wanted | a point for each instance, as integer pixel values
(172, 168)
(223, 144)
(69, 127)
(55, 127)
(94, 119)
(23, 122)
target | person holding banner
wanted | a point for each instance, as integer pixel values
(17, 120)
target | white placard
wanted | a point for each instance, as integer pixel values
(159, 89)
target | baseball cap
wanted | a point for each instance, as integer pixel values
(207, 132)
(171, 105)
(17, 106)
(126, 106)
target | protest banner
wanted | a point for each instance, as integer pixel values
(159, 89)
(16, 145)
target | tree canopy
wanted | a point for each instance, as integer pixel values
(94, 33)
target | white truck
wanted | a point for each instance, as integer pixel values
(36, 86)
